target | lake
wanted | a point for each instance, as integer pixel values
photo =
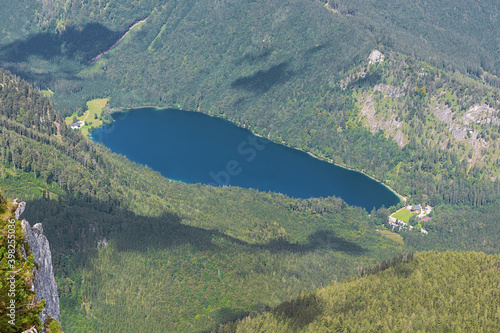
(195, 148)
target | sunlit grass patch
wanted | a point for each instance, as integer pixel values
(392, 236)
(403, 215)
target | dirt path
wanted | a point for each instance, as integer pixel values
(88, 112)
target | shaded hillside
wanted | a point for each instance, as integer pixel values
(107, 217)
(456, 34)
(186, 278)
(448, 34)
(456, 292)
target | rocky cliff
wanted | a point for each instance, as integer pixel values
(44, 283)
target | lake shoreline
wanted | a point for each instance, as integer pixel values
(402, 198)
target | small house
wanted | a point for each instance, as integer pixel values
(77, 125)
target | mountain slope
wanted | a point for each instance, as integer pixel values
(107, 217)
(456, 292)
(295, 71)
(284, 79)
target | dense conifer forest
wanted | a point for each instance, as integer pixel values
(135, 251)
(433, 292)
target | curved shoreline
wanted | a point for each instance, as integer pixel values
(402, 198)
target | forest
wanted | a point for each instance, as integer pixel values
(287, 79)
(106, 217)
(424, 121)
(214, 244)
(428, 292)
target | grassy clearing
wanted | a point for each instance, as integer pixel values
(151, 46)
(91, 116)
(47, 93)
(91, 71)
(403, 214)
(392, 236)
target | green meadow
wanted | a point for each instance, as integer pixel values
(403, 214)
(91, 117)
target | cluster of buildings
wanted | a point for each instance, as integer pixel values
(398, 224)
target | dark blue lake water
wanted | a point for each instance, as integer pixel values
(196, 148)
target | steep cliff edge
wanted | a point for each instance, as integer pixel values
(39, 276)
(44, 283)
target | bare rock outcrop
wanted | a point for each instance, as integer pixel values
(376, 56)
(44, 283)
(375, 123)
(462, 127)
(389, 91)
(481, 114)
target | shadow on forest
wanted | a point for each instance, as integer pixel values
(227, 316)
(261, 81)
(167, 231)
(319, 240)
(81, 44)
(55, 59)
(301, 311)
(79, 228)
(253, 58)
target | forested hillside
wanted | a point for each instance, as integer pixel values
(460, 228)
(447, 126)
(281, 69)
(207, 248)
(434, 292)
(135, 251)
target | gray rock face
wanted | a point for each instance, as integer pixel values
(44, 283)
(390, 91)
(376, 56)
(20, 209)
